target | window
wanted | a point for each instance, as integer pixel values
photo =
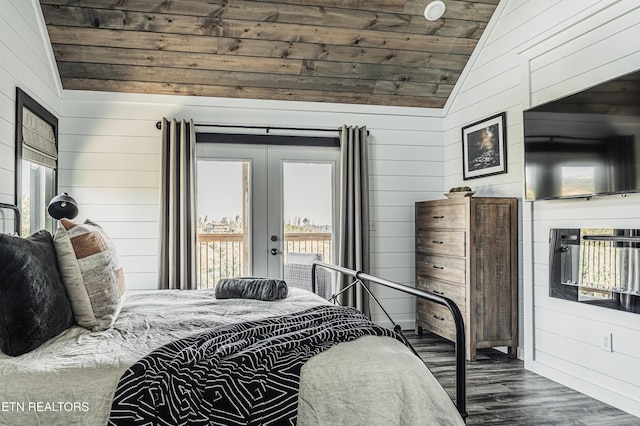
(36, 162)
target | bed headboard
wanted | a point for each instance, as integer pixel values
(5, 220)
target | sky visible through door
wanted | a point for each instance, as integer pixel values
(306, 194)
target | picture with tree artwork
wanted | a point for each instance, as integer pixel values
(483, 147)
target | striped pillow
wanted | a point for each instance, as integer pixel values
(91, 273)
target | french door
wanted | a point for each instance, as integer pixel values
(258, 205)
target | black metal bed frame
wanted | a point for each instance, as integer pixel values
(16, 211)
(359, 277)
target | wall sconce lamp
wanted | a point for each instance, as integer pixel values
(434, 10)
(63, 206)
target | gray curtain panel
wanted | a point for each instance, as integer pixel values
(177, 206)
(353, 238)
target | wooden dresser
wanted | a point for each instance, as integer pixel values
(467, 250)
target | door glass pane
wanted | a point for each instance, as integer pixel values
(308, 219)
(223, 249)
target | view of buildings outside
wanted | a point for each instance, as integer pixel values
(223, 217)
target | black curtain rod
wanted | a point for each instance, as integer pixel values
(267, 128)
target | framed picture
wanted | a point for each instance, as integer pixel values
(484, 147)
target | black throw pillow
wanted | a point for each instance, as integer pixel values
(33, 302)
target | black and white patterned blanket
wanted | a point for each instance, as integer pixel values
(240, 374)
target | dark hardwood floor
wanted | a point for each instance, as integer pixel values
(500, 391)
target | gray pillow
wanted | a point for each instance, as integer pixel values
(33, 302)
(267, 289)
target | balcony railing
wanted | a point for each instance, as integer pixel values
(308, 242)
(220, 256)
(226, 255)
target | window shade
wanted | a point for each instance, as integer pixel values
(38, 140)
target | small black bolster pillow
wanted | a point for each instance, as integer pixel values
(268, 289)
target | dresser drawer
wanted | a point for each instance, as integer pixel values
(448, 243)
(455, 292)
(449, 269)
(441, 216)
(436, 318)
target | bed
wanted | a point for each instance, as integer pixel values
(75, 376)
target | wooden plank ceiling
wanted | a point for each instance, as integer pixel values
(376, 52)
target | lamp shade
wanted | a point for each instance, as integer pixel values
(63, 206)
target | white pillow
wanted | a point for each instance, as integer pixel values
(91, 273)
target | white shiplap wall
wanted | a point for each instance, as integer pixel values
(24, 63)
(110, 159)
(534, 52)
(110, 162)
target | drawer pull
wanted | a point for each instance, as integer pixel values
(438, 267)
(437, 242)
(440, 293)
(438, 318)
(438, 217)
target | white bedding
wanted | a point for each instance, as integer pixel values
(70, 380)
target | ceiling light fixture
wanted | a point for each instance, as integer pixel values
(434, 10)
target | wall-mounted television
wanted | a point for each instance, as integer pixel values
(586, 144)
